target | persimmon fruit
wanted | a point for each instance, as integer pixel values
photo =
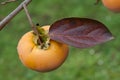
(113, 5)
(35, 57)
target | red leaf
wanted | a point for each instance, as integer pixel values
(79, 32)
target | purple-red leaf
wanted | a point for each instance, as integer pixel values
(79, 32)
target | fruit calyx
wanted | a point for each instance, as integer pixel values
(42, 40)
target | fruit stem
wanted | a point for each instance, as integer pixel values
(97, 1)
(32, 25)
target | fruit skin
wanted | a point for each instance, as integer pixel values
(39, 59)
(113, 5)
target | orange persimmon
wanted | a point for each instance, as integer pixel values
(40, 59)
(113, 5)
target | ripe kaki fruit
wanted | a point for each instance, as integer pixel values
(113, 5)
(37, 58)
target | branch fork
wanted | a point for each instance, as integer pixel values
(8, 18)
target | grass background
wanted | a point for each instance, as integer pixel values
(101, 62)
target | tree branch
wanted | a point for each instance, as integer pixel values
(13, 14)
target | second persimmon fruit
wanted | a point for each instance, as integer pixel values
(113, 5)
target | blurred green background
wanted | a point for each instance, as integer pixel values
(101, 62)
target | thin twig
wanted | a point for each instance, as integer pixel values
(8, 1)
(32, 25)
(13, 14)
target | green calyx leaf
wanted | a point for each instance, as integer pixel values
(43, 36)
